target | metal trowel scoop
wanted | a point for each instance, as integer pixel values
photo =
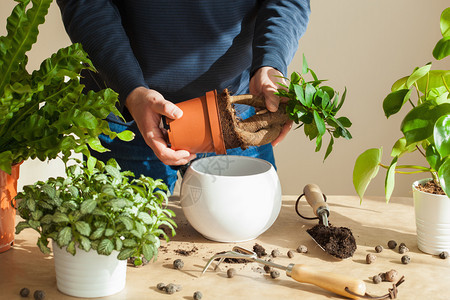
(336, 241)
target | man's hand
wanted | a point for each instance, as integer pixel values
(264, 83)
(146, 106)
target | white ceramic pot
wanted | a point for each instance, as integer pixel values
(432, 220)
(88, 274)
(231, 198)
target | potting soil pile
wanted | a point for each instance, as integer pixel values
(337, 241)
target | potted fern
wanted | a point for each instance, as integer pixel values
(96, 217)
(426, 129)
(44, 114)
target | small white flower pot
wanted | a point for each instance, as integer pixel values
(432, 220)
(88, 274)
(231, 198)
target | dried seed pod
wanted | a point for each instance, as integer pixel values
(392, 244)
(371, 258)
(443, 255)
(402, 249)
(276, 253)
(178, 264)
(24, 292)
(406, 259)
(161, 286)
(231, 272)
(302, 249)
(391, 275)
(378, 248)
(197, 295)
(290, 254)
(39, 295)
(274, 274)
(377, 279)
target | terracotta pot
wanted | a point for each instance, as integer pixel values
(8, 190)
(199, 129)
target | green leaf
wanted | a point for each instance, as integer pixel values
(320, 123)
(126, 135)
(127, 221)
(71, 248)
(442, 48)
(145, 217)
(395, 101)
(444, 176)
(129, 243)
(113, 172)
(125, 253)
(365, 169)
(109, 232)
(105, 247)
(329, 148)
(304, 65)
(43, 245)
(85, 243)
(390, 179)
(21, 226)
(433, 157)
(64, 236)
(309, 94)
(418, 124)
(299, 93)
(59, 217)
(88, 206)
(148, 251)
(400, 147)
(98, 233)
(441, 134)
(83, 228)
(417, 74)
(444, 22)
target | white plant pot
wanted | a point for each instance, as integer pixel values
(230, 198)
(432, 220)
(88, 274)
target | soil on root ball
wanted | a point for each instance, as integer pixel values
(431, 187)
(228, 122)
(337, 241)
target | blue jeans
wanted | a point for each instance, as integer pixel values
(138, 157)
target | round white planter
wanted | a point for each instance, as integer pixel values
(231, 198)
(432, 220)
(88, 274)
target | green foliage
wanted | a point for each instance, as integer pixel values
(315, 107)
(45, 113)
(425, 128)
(97, 206)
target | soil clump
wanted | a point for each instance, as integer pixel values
(337, 241)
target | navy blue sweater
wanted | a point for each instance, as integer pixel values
(183, 49)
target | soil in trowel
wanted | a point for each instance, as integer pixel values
(337, 241)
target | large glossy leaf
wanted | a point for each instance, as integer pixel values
(365, 169)
(444, 176)
(418, 124)
(442, 48)
(434, 80)
(400, 147)
(394, 101)
(441, 135)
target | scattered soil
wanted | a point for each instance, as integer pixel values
(186, 252)
(337, 241)
(259, 250)
(431, 187)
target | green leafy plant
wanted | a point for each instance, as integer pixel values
(425, 128)
(46, 113)
(98, 207)
(314, 106)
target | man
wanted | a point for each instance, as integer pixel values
(155, 53)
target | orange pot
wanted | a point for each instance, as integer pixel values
(8, 190)
(199, 129)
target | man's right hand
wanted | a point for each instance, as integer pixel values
(146, 106)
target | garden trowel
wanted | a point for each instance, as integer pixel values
(336, 241)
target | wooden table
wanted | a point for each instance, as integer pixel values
(372, 223)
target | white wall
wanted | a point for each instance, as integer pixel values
(362, 45)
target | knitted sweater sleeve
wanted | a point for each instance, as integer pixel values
(97, 25)
(279, 26)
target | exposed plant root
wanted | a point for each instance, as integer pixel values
(260, 129)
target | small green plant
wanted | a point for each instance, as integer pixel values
(314, 106)
(98, 207)
(425, 128)
(45, 113)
